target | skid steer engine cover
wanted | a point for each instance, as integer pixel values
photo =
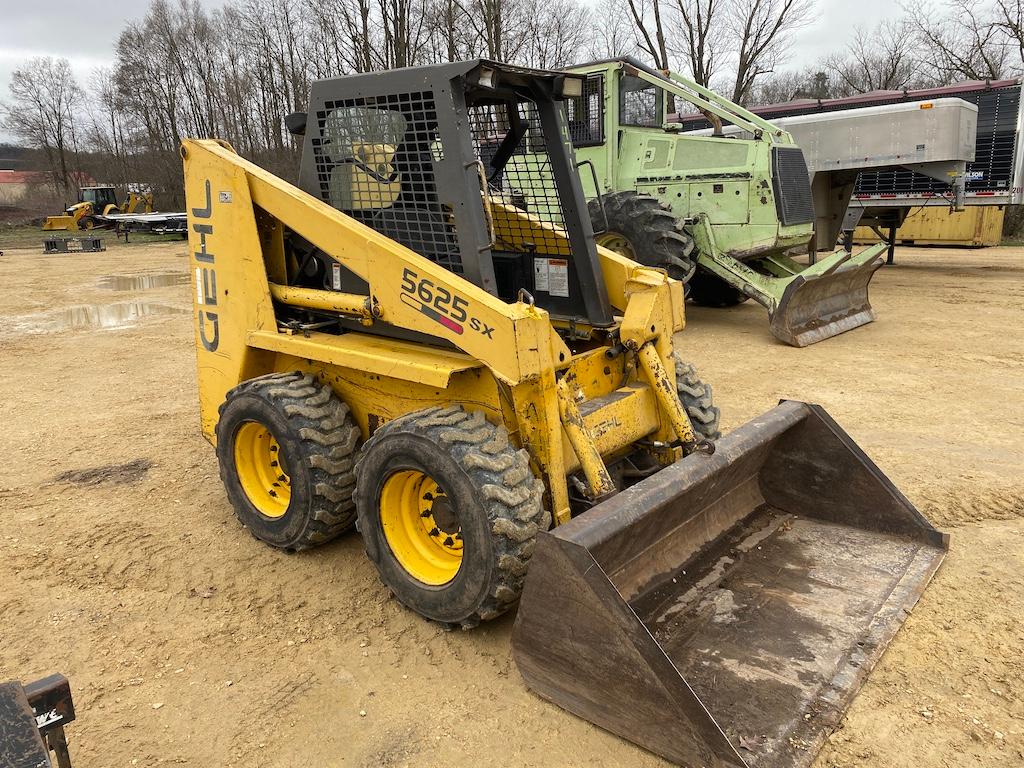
(724, 611)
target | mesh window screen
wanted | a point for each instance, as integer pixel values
(525, 181)
(586, 114)
(640, 103)
(375, 161)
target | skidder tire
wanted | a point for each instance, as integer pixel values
(709, 290)
(697, 398)
(286, 446)
(643, 229)
(449, 512)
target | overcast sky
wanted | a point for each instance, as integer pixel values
(85, 34)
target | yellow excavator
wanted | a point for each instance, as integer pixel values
(407, 345)
(95, 203)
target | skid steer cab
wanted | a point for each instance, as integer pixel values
(408, 344)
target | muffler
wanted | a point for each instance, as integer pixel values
(725, 611)
(817, 306)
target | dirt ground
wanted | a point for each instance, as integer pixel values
(189, 643)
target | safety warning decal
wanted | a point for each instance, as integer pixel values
(551, 276)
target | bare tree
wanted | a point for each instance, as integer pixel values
(614, 34)
(556, 30)
(703, 43)
(964, 42)
(883, 59)
(650, 29)
(500, 26)
(1010, 20)
(44, 99)
(763, 29)
(780, 87)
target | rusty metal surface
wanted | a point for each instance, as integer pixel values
(50, 699)
(815, 308)
(724, 611)
(21, 745)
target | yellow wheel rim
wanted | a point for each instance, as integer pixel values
(261, 469)
(616, 242)
(88, 224)
(421, 527)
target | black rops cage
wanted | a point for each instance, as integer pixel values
(423, 155)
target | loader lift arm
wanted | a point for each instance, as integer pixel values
(516, 342)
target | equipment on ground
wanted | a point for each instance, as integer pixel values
(94, 205)
(994, 177)
(73, 245)
(740, 205)
(404, 347)
(977, 226)
(32, 720)
(934, 139)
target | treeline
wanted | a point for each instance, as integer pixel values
(235, 72)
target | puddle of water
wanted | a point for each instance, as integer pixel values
(95, 316)
(143, 282)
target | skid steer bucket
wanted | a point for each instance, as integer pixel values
(724, 611)
(816, 305)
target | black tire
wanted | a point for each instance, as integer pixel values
(317, 439)
(696, 397)
(708, 290)
(655, 236)
(492, 491)
(88, 223)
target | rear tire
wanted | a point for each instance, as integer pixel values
(449, 512)
(286, 446)
(709, 290)
(697, 398)
(641, 228)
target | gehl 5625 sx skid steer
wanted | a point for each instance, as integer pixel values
(498, 406)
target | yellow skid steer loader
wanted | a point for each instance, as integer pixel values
(499, 407)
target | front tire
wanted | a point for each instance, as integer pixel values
(286, 446)
(449, 512)
(697, 399)
(641, 228)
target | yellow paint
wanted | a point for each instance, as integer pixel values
(365, 182)
(260, 465)
(599, 482)
(428, 548)
(978, 225)
(506, 360)
(616, 242)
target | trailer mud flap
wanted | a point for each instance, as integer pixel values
(725, 611)
(814, 307)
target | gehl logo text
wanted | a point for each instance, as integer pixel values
(206, 277)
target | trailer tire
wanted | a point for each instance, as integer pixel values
(645, 230)
(709, 290)
(293, 424)
(697, 398)
(449, 512)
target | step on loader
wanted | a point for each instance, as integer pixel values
(500, 408)
(741, 205)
